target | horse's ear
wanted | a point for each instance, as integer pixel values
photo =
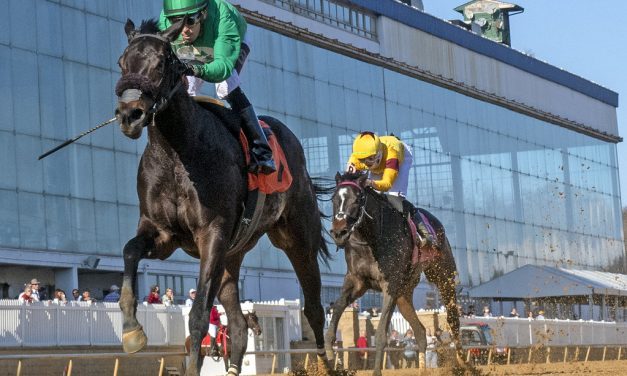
(338, 177)
(173, 32)
(129, 29)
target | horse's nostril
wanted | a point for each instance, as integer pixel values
(135, 115)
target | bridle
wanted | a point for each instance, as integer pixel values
(126, 88)
(361, 200)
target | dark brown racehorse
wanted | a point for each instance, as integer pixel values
(191, 185)
(378, 249)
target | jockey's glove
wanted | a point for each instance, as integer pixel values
(193, 69)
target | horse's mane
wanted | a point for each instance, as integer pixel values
(149, 26)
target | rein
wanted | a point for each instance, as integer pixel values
(363, 197)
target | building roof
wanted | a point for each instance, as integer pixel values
(532, 281)
(442, 29)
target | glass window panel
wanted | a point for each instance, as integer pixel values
(52, 103)
(82, 171)
(101, 106)
(74, 36)
(8, 172)
(49, 32)
(9, 222)
(98, 50)
(107, 229)
(25, 87)
(22, 13)
(6, 91)
(126, 172)
(59, 229)
(79, 4)
(118, 42)
(128, 218)
(104, 187)
(77, 99)
(84, 224)
(29, 169)
(32, 219)
(56, 170)
(98, 7)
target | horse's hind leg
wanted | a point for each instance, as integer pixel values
(133, 336)
(238, 333)
(352, 289)
(443, 274)
(406, 307)
(382, 332)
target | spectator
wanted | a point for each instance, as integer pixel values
(374, 312)
(540, 315)
(168, 297)
(362, 343)
(153, 296)
(530, 315)
(87, 297)
(214, 323)
(431, 354)
(113, 296)
(76, 295)
(59, 297)
(513, 313)
(486, 311)
(471, 311)
(410, 349)
(192, 296)
(26, 297)
(34, 285)
(394, 343)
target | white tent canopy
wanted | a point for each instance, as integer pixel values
(532, 281)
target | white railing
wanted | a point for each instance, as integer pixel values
(523, 332)
(100, 324)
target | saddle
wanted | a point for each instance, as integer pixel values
(420, 255)
(259, 185)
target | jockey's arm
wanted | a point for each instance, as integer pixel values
(387, 180)
(225, 52)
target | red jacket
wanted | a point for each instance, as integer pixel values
(214, 316)
(154, 299)
(362, 343)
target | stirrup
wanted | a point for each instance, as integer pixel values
(266, 167)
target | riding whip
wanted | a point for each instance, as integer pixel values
(66, 143)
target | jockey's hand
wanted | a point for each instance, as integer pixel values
(192, 69)
(369, 183)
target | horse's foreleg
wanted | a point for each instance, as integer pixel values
(133, 336)
(238, 332)
(382, 332)
(406, 307)
(351, 290)
(308, 272)
(212, 248)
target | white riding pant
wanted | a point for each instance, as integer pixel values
(399, 188)
(213, 330)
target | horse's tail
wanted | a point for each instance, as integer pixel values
(323, 190)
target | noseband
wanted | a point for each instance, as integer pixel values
(133, 85)
(362, 206)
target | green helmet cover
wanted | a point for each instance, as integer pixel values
(181, 7)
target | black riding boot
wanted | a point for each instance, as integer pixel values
(261, 154)
(214, 348)
(424, 236)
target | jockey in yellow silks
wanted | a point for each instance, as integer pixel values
(388, 160)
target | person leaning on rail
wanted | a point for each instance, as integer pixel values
(388, 160)
(213, 45)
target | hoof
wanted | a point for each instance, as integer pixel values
(134, 340)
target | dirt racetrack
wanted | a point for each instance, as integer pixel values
(614, 367)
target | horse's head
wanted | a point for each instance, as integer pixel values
(253, 322)
(151, 73)
(349, 201)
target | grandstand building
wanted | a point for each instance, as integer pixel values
(515, 156)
